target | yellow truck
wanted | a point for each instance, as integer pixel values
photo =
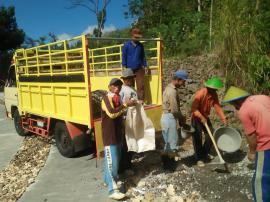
(56, 89)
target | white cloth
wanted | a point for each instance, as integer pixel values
(139, 130)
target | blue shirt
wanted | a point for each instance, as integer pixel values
(133, 56)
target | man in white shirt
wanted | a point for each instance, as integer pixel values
(127, 92)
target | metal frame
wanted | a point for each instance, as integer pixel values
(60, 59)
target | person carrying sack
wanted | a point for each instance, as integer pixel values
(139, 129)
(127, 92)
(111, 125)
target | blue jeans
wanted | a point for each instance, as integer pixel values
(169, 131)
(111, 166)
(261, 178)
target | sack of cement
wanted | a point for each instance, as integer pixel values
(139, 130)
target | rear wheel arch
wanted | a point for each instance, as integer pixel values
(52, 126)
(18, 123)
(63, 140)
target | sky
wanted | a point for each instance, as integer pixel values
(39, 17)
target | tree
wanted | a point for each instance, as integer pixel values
(183, 28)
(53, 37)
(243, 38)
(11, 37)
(94, 7)
(28, 42)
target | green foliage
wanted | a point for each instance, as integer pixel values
(240, 34)
(259, 73)
(11, 38)
(96, 7)
(30, 42)
(183, 28)
(243, 38)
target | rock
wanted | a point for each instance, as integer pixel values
(129, 172)
(159, 199)
(171, 190)
(141, 183)
(176, 199)
(137, 199)
(149, 196)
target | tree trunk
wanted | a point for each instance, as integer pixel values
(257, 5)
(210, 26)
(199, 6)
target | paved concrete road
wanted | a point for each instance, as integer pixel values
(10, 141)
(67, 180)
(62, 179)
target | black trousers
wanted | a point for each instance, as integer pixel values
(126, 156)
(201, 150)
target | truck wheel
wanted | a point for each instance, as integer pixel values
(63, 141)
(18, 124)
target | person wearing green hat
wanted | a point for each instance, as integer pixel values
(205, 99)
(254, 114)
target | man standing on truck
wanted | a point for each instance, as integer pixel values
(204, 100)
(133, 57)
(171, 114)
(254, 113)
(111, 117)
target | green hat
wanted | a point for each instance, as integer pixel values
(234, 93)
(214, 83)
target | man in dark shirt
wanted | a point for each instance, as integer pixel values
(133, 57)
(111, 124)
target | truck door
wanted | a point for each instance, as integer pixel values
(10, 91)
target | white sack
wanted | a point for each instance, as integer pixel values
(139, 130)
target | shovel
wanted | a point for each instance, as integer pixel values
(221, 160)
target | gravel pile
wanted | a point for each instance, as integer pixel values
(148, 181)
(23, 168)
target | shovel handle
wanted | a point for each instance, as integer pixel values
(214, 143)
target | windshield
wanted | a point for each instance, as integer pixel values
(11, 80)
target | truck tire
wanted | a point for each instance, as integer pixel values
(63, 141)
(18, 124)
